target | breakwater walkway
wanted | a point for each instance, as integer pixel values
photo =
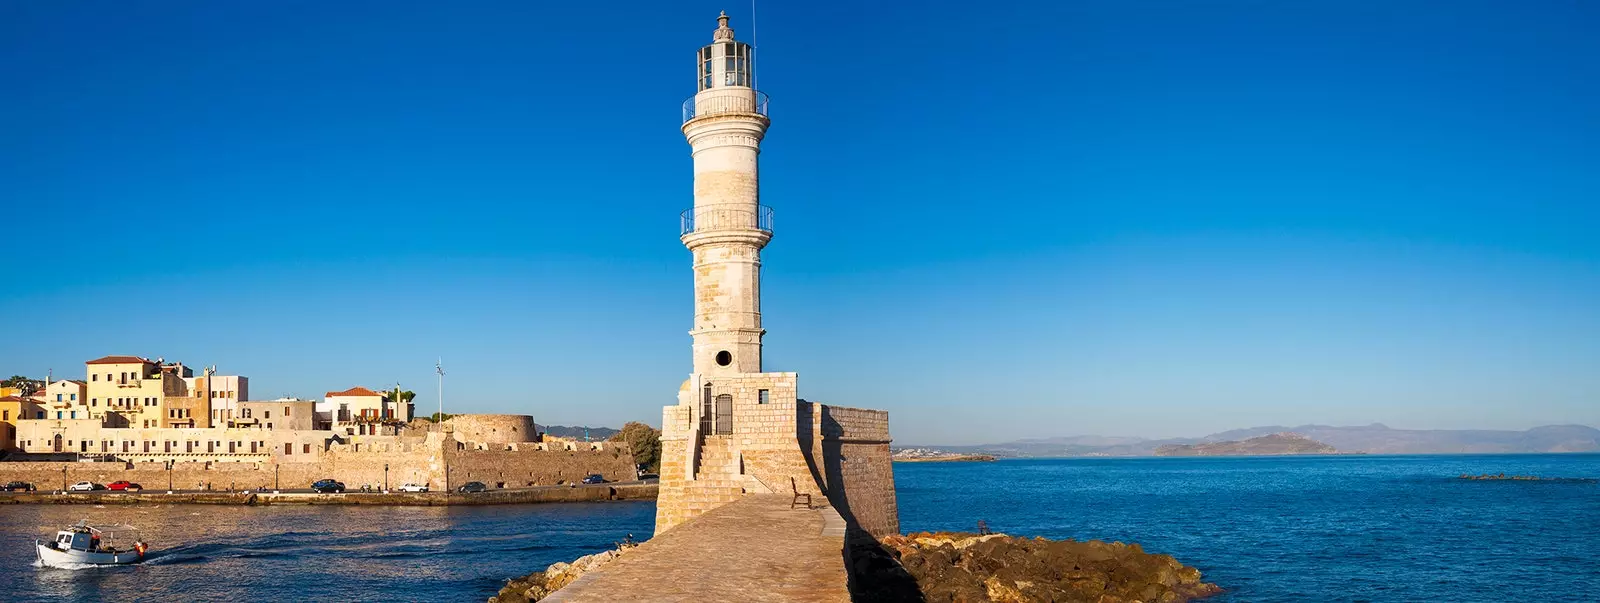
(756, 549)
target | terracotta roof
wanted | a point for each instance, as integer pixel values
(355, 391)
(16, 399)
(74, 381)
(120, 360)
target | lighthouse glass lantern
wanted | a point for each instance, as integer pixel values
(726, 62)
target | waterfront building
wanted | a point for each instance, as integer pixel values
(68, 398)
(224, 393)
(283, 413)
(132, 390)
(14, 408)
(737, 428)
(361, 411)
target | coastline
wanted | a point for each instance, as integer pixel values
(536, 495)
(946, 459)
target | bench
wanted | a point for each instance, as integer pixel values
(798, 495)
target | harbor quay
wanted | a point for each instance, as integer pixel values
(303, 496)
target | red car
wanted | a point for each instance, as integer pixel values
(124, 485)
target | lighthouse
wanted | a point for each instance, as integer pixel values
(727, 227)
(736, 429)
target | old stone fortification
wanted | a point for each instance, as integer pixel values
(492, 429)
(432, 459)
(832, 452)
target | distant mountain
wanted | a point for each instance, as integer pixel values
(596, 434)
(1271, 444)
(1371, 439)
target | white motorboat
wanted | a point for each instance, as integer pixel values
(82, 544)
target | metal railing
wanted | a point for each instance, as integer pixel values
(726, 104)
(725, 217)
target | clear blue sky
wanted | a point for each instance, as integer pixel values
(994, 220)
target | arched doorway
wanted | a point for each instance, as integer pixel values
(58, 443)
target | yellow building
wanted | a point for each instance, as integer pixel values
(132, 390)
(67, 399)
(15, 408)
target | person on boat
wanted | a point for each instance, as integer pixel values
(94, 543)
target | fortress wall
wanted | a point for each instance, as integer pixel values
(493, 429)
(540, 467)
(406, 463)
(857, 467)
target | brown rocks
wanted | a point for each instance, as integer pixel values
(959, 567)
(538, 585)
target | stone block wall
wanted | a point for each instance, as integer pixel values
(783, 445)
(354, 464)
(857, 468)
(493, 429)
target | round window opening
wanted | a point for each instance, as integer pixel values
(724, 358)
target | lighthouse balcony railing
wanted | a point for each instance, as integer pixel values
(715, 217)
(730, 103)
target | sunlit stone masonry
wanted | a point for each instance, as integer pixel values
(737, 430)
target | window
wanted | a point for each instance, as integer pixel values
(762, 395)
(58, 414)
(5, 416)
(307, 449)
(288, 448)
(285, 411)
(94, 377)
(266, 415)
(269, 426)
(94, 401)
(58, 397)
(73, 397)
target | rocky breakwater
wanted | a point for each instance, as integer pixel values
(996, 567)
(538, 585)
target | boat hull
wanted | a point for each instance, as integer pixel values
(52, 557)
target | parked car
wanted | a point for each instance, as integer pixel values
(414, 488)
(594, 478)
(327, 486)
(85, 487)
(470, 487)
(125, 486)
(18, 487)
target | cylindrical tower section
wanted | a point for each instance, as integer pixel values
(728, 226)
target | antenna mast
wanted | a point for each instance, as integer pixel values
(754, 49)
(439, 368)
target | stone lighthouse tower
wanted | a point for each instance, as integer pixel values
(736, 430)
(728, 226)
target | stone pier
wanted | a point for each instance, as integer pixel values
(755, 549)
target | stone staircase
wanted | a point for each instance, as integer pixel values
(717, 479)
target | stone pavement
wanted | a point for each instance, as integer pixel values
(756, 549)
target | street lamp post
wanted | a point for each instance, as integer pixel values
(169, 477)
(63, 478)
(385, 478)
(275, 468)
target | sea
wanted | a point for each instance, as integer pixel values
(1332, 528)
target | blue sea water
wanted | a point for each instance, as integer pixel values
(1353, 528)
(324, 553)
(1340, 528)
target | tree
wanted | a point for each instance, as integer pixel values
(645, 442)
(25, 385)
(436, 418)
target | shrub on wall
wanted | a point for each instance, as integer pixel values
(644, 441)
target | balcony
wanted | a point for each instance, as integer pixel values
(725, 217)
(724, 104)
